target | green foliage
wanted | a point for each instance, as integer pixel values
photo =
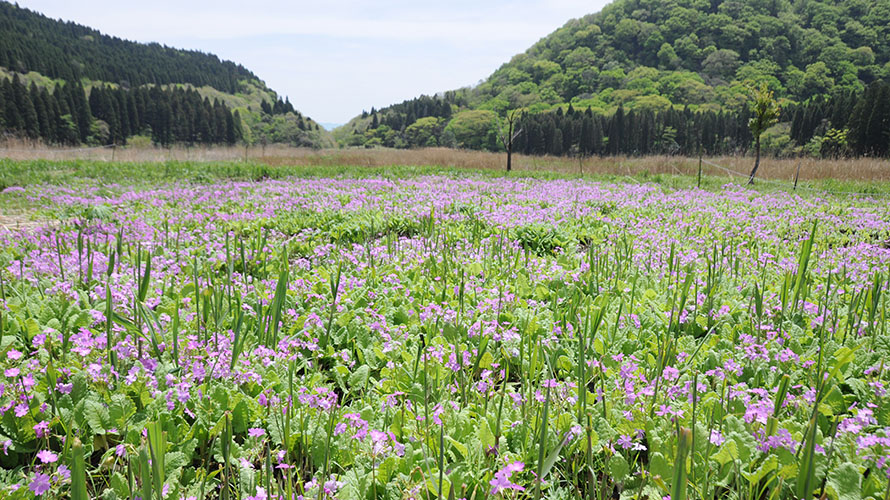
(68, 84)
(70, 52)
(474, 129)
(659, 57)
(764, 110)
(424, 132)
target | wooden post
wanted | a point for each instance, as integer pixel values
(113, 149)
(797, 175)
(699, 166)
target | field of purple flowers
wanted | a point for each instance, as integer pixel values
(443, 337)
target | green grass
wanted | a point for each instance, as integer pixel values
(72, 172)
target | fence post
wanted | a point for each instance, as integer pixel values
(699, 166)
(797, 175)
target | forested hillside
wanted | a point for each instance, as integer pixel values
(69, 51)
(64, 83)
(678, 73)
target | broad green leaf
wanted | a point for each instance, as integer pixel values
(727, 453)
(844, 482)
(97, 416)
(768, 466)
(618, 468)
(359, 378)
(486, 437)
(658, 466)
(460, 447)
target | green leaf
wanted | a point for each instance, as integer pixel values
(727, 453)
(359, 378)
(119, 485)
(844, 482)
(833, 402)
(97, 416)
(551, 459)
(120, 410)
(486, 437)
(679, 482)
(460, 447)
(618, 468)
(769, 465)
(32, 328)
(806, 478)
(658, 466)
(386, 469)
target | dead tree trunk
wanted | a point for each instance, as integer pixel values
(507, 136)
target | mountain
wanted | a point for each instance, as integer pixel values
(169, 94)
(655, 59)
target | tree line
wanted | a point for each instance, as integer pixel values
(849, 123)
(632, 132)
(110, 115)
(845, 124)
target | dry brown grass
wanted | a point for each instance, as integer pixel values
(862, 169)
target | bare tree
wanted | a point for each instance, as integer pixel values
(507, 134)
(766, 113)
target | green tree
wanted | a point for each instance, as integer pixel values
(667, 57)
(721, 64)
(423, 133)
(474, 129)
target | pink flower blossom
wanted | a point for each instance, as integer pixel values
(47, 456)
(501, 480)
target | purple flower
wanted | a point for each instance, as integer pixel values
(47, 456)
(625, 441)
(260, 494)
(41, 429)
(438, 410)
(255, 432)
(501, 480)
(64, 472)
(40, 484)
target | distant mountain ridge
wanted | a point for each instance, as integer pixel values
(699, 52)
(53, 54)
(69, 51)
(661, 57)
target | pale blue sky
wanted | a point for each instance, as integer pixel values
(335, 58)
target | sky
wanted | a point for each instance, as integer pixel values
(336, 58)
